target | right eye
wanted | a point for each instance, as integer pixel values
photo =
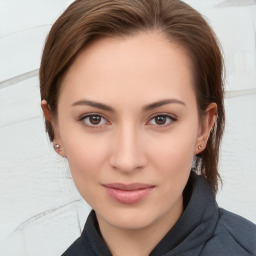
(93, 120)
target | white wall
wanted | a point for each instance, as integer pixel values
(41, 212)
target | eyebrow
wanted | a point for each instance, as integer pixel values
(110, 109)
(93, 104)
(161, 103)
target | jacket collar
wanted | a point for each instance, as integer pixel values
(197, 223)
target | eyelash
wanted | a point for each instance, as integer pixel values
(83, 120)
(164, 115)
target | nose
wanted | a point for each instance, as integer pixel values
(128, 152)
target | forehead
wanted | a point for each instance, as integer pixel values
(142, 65)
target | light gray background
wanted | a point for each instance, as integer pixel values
(41, 213)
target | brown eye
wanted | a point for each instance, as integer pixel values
(160, 120)
(95, 120)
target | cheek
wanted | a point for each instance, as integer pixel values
(87, 160)
(86, 153)
(175, 149)
(173, 163)
(172, 157)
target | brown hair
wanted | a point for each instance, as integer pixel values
(87, 20)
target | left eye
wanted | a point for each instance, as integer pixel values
(161, 120)
(94, 120)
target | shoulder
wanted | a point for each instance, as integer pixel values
(238, 227)
(233, 235)
(235, 223)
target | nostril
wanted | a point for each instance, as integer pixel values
(127, 166)
(128, 162)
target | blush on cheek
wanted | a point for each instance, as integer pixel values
(175, 160)
(86, 156)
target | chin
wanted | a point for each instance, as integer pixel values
(132, 222)
(134, 218)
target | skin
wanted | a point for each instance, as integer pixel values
(130, 145)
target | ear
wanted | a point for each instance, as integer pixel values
(46, 110)
(57, 143)
(205, 128)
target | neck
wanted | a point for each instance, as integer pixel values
(138, 242)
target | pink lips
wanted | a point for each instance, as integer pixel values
(128, 194)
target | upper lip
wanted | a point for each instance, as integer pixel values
(128, 187)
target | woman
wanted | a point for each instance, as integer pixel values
(132, 95)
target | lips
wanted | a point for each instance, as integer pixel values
(128, 193)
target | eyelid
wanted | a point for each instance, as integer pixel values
(84, 116)
(171, 116)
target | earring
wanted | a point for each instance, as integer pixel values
(199, 147)
(57, 147)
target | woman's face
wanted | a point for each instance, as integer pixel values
(129, 127)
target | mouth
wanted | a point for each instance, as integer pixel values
(128, 193)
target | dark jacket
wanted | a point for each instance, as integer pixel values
(203, 229)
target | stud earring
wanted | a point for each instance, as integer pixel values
(199, 147)
(57, 147)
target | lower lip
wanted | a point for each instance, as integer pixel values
(128, 196)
